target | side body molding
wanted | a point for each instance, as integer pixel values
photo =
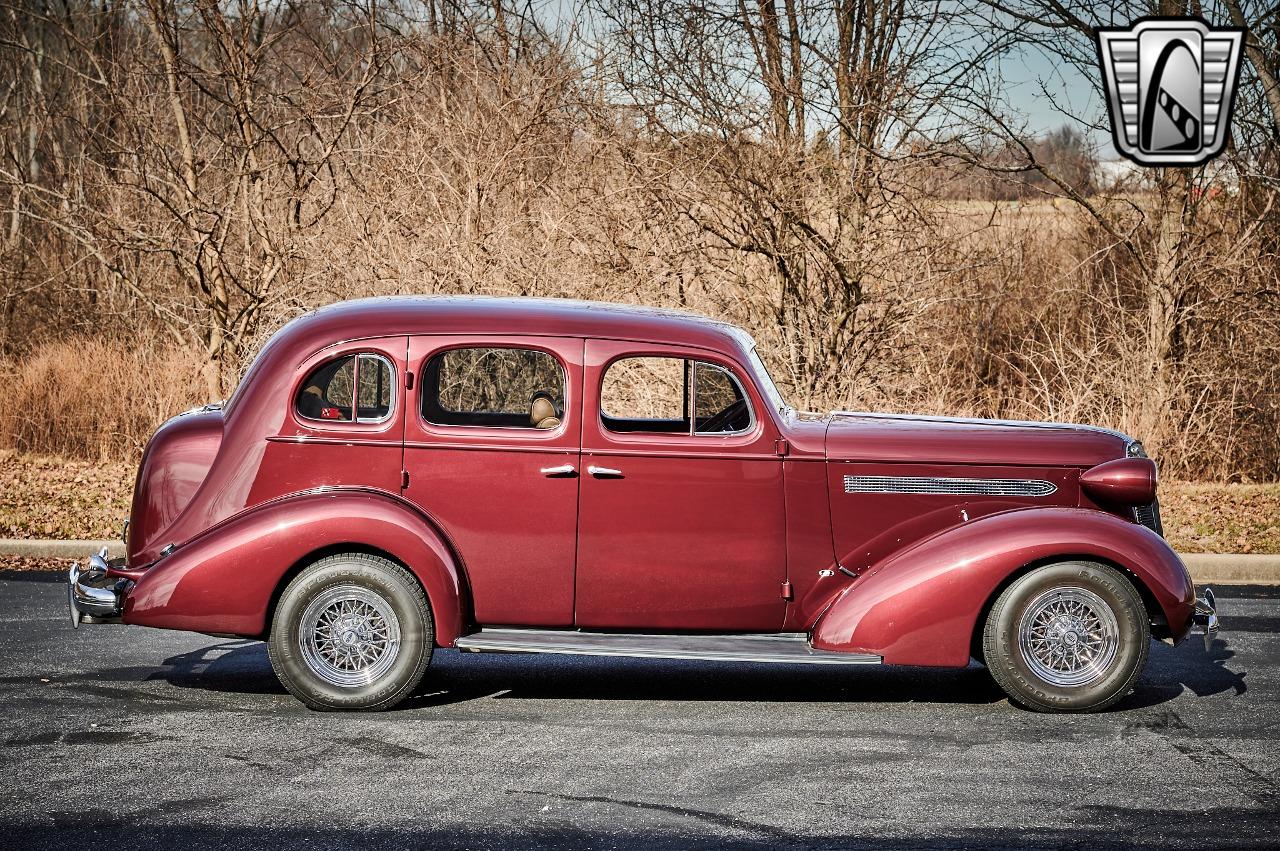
(223, 580)
(920, 606)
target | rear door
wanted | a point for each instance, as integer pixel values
(491, 452)
(681, 523)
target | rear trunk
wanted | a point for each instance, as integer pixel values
(174, 465)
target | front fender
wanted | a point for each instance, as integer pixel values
(921, 605)
(223, 581)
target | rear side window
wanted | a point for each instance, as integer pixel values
(672, 396)
(493, 387)
(353, 388)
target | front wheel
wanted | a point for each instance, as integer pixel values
(352, 631)
(1067, 637)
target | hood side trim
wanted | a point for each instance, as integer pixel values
(953, 486)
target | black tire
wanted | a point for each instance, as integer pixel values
(382, 599)
(1025, 663)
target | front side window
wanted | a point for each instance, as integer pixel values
(494, 387)
(672, 396)
(353, 388)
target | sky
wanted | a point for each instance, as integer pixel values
(1028, 74)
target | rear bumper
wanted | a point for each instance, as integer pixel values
(94, 593)
(1206, 616)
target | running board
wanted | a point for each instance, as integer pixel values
(790, 648)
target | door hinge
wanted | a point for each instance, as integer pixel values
(781, 447)
(404, 478)
(787, 592)
(408, 381)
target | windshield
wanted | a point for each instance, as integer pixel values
(765, 382)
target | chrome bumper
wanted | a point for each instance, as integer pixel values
(1206, 616)
(93, 596)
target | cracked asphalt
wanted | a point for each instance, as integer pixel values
(123, 735)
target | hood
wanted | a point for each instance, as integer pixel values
(944, 440)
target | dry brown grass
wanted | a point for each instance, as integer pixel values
(91, 400)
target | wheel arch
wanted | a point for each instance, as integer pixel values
(922, 605)
(229, 579)
(335, 549)
(1155, 614)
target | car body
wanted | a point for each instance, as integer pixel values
(559, 476)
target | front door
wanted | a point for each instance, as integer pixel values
(491, 452)
(681, 524)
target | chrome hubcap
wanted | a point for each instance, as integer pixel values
(349, 636)
(1068, 636)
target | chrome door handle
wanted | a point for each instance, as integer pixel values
(561, 471)
(604, 472)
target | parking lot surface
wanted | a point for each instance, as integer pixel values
(124, 735)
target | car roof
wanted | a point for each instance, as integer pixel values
(553, 317)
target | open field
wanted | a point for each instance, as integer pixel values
(45, 497)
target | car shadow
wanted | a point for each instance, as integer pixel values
(242, 667)
(1188, 667)
(239, 666)
(458, 677)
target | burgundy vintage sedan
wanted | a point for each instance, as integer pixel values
(398, 475)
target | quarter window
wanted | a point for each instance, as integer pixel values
(375, 389)
(672, 396)
(494, 387)
(354, 388)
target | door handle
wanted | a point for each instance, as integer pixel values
(563, 471)
(604, 472)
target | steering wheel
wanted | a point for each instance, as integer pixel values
(718, 421)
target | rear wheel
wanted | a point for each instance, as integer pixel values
(352, 631)
(1067, 637)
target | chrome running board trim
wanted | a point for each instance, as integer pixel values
(787, 648)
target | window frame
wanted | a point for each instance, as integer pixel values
(690, 402)
(693, 404)
(356, 419)
(422, 390)
(391, 402)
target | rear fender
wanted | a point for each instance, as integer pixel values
(224, 580)
(921, 605)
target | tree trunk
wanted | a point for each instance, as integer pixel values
(1165, 284)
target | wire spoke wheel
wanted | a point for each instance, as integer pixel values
(1068, 636)
(349, 636)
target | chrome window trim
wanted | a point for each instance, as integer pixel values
(391, 402)
(391, 407)
(564, 392)
(742, 391)
(693, 412)
(950, 486)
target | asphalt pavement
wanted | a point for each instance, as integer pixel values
(118, 736)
